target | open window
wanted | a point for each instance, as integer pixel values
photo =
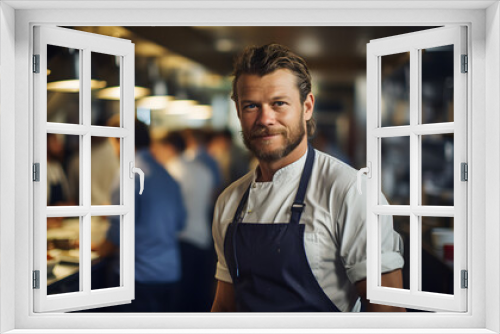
(404, 126)
(77, 216)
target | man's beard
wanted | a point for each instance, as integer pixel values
(292, 139)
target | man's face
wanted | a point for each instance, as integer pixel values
(272, 117)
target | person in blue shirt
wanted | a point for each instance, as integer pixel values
(196, 141)
(160, 215)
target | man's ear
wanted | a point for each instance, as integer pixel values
(308, 106)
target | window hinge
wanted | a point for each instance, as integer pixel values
(36, 63)
(465, 279)
(36, 279)
(465, 64)
(464, 171)
(36, 172)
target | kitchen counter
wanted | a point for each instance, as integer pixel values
(63, 271)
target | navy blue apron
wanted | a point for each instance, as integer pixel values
(268, 262)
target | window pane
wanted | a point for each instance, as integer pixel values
(437, 84)
(105, 245)
(395, 170)
(395, 94)
(437, 170)
(63, 85)
(63, 255)
(63, 170)
(437, 254)
(394, 240)
(105, 101)
(105, 170)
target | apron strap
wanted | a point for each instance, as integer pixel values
(298, 204)
(238, 217)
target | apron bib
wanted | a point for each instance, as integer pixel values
(268, 262)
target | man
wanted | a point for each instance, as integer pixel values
(291, 235)
(160, 215)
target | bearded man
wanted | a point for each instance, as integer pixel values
(290, 236)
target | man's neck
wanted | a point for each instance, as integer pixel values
(268, 169)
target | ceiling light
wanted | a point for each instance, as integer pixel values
(180, 107)
(200, 112)
(157, 102)
(224, 45)
(113, 93)
(308, 46)
(73, 86)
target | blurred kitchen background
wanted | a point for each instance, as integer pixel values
(183, 84)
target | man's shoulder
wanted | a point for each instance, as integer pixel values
(236, 188)
(334, 170)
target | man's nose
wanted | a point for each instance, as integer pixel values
(266, 115)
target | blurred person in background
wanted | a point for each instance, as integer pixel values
(197, 187)
(325, 141)
(196, 149)
(233, 160)
(160, 215)
(104, 166)
(58, 190)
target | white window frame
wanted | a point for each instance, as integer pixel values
(86, 44)
(414, 43)
(483, 122)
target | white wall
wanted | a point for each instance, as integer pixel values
(7, 160)
(492, 164)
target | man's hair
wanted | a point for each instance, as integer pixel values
(269, 58)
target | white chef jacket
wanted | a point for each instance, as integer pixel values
(334, 215)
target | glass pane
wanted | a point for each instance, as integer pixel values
(437, 254)
(63, 255)
(394, 244)
(395, 94)
(105, 171)
(63, 85)
(437, 170)
(105, 101)
(395, 170)
(63, 169)
(105, 255)
(437, 84)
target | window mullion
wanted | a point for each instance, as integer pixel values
(415, 79)
(85, 167)
(67, 129)
(103, 131)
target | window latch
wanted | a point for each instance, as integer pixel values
(365, 170)
(135, 170)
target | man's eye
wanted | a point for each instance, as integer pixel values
(279, 103)
(250, 106)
